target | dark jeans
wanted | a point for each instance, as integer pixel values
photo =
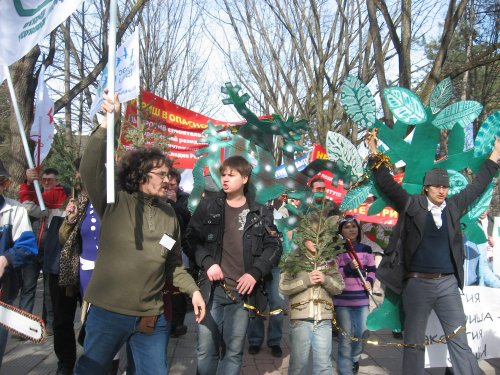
(30, 274)
(9, 284)
(275, 326)
(224, 326)
(64, 308)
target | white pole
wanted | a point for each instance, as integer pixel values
(110, 145)
(23, 136)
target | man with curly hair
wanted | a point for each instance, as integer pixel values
(139, 247)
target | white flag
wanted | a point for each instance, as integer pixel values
(42, 130)
(126, 74)
(24, 23)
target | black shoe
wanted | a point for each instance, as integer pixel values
(253, 349)
(397, 335)
(114, 367)
(64, 371)
(179, 331)
(276, 351)
(355, 367)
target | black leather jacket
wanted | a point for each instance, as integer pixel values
(261, 244)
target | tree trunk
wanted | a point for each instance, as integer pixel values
(379, 56)
(453, 16)
(25, 83)
(404, 57)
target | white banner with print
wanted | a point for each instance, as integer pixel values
(24, 23)
(482, 309)
(126, 74)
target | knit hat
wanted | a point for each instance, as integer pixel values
(3, 171)
(437, 177)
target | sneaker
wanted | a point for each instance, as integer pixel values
(253, 349)
(276, 351)
(355, 367)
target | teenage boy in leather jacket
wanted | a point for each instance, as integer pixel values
(235, 243)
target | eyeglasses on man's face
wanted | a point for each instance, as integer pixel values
(46, 180)
(162, 175)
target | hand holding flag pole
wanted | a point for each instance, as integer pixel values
(352, 254)
(31, 165)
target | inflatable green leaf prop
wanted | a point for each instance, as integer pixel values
(419, 154)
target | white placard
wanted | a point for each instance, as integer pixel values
(482, 308)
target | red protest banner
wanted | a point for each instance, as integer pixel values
(336, 193)
(167, 122)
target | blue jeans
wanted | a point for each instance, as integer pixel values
(352, 322)
(275, 328)
(30, 274)
(107, 331)
(221, 335)
(307, 335)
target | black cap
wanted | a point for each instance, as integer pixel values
(3, 171)
(437, 177)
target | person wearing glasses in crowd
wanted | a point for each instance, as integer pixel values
(139, 247)
(62, 301)
(318, 187)
(433, 256)
(178, 199)
(17, 247)
(54, 195)
(351, 306)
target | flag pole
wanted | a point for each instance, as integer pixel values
(110, 131)
(36, 184)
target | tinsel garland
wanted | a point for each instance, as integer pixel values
(378, 159)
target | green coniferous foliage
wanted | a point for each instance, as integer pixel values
(314, 225)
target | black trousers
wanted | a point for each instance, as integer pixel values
(64, 308)
(179, 307)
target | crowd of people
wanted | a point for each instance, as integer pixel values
(132, 263)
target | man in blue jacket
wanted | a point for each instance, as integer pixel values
(17, 247)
